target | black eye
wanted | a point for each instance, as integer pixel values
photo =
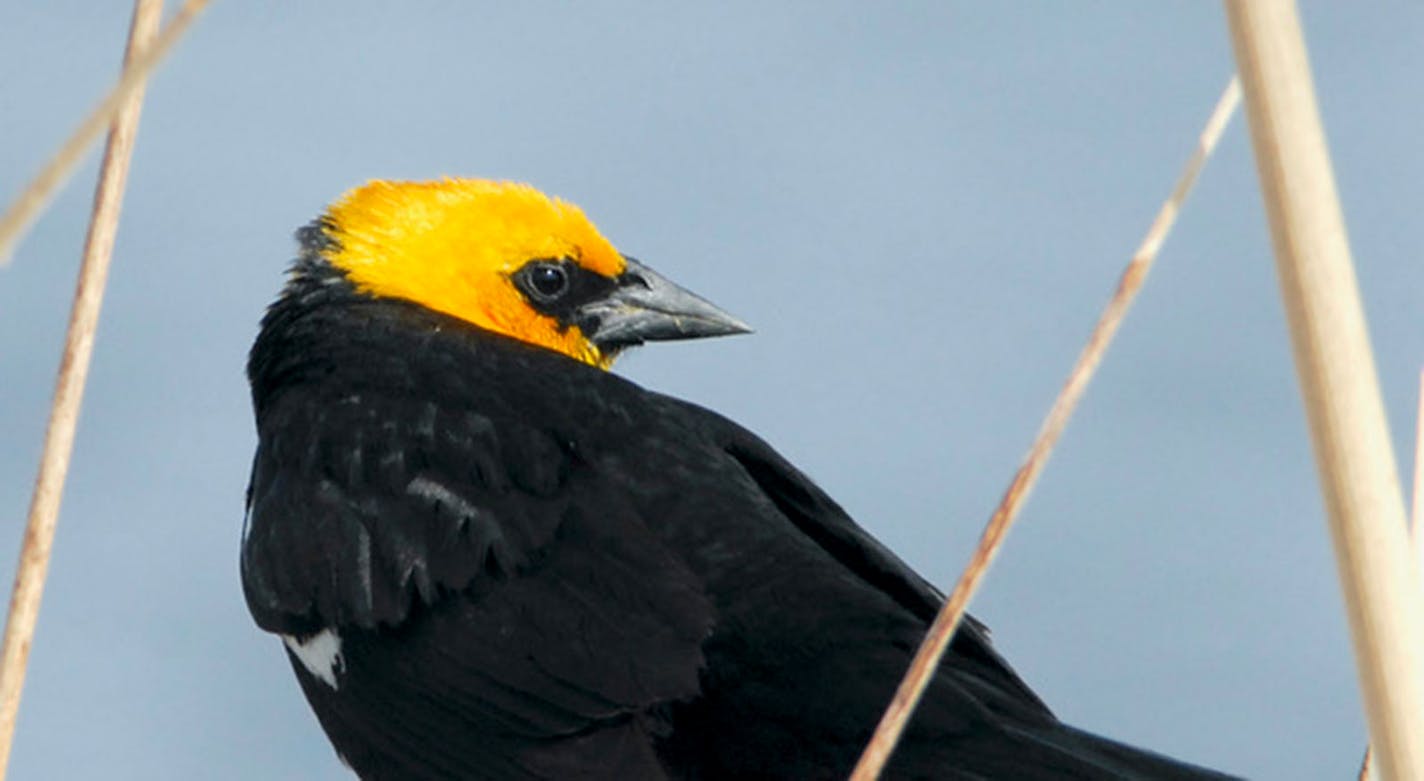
(547, 280)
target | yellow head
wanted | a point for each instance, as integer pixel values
(509, 259)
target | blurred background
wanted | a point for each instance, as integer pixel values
(921, 207)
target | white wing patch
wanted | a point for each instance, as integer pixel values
(429, 490)
(320, 654)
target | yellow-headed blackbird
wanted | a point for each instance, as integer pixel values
(489, 557)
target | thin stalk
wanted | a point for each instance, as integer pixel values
(1417, 490)
(1416, 535)
(1335, 366)
(69, 390)
(932, 648)
(36, 196)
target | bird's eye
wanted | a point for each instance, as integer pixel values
(547, 280)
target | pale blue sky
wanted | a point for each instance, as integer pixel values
(921, 208)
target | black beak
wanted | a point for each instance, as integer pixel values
(645, 307)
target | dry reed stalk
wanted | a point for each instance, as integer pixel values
(1354, 455)
(69, 389)
(927, 658)
(31, 202)
(1416, 511)
(1416, 515)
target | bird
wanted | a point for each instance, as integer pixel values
(488, 556)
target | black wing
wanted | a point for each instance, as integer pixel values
(498, 612)
(819, 517)
(557, 672)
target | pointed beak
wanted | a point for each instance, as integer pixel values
(645, 307)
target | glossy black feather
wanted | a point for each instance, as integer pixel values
(539, 570)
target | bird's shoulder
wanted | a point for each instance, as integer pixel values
(402, 456)
(425, 525)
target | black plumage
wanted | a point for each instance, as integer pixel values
(539, 570)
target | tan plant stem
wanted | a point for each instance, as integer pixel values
(69, 391)
(1335, 366)
(32, 201)
(927, 658)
